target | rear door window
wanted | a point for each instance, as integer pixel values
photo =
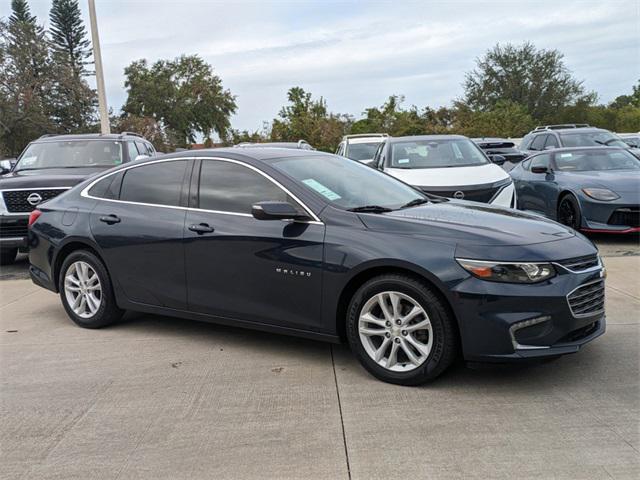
(538, 142)
(156, 183)
(551, 142)
(132, 150)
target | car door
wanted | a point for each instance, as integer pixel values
(537, 186)
(138, 223)
(239, 267)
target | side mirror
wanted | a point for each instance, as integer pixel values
(142, 157)
(276, 211)
(5, 166)
(540, 170)
(498, 159)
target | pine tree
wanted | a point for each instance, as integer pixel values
(20, 13)
(69, 41)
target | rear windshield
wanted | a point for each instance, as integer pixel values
(459, 152)
(596, 160)
(362, 151)
(71, 154)
(591, 139)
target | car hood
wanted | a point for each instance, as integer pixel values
(49, 177)
(621, 181)
(447, 177)
(469, 223)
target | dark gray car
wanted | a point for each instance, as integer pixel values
(594, 189)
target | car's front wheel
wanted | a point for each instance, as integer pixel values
(569, 212)
(400, 330)
(85, 290)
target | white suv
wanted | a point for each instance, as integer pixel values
(448, 166)
(361, 147)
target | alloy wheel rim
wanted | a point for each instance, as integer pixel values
(83, 289)
(395, 331)
(567, 214)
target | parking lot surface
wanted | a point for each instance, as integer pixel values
(162, 398)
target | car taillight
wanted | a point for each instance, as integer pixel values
(33, 216)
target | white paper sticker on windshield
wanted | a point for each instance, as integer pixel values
(403, 160)
(321, 189)
(565, 155)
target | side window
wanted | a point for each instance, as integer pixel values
(526, 163)
(150, 149)
(142, 148)
(526, 142)
(541, 161)
(551, 142)
(538, 142)
(340, 150)
(156, 183)
(108, 187)
(132, 150)
(378, 159)
(229, 187)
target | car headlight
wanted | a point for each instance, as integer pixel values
(603, 194)
(508, 272)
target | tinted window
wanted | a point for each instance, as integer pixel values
(541, 161)
(229, 187)
(538, 142)
(596, 160)
(551, 141)
(108, 187)
(157, 183)
(592, 138)
(71, 154)
(132, 150)
(362, 151)
(142, 148)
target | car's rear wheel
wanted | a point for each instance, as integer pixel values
(85, 290)
(8, 255)
(569, 212)
(400, 330)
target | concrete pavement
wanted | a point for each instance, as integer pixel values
(162, 398)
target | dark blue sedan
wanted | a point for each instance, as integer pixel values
(310, 244)
(593, 189)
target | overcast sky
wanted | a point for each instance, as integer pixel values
(356, 54)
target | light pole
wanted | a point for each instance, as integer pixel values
(102, 97)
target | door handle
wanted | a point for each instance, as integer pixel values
(201, 228)
(110, 219)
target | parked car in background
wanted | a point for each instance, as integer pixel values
(548, 137)
(501, 151)
(300, 145)
(51, 165)
(316, 245)
(593, 189)
(361, 147)
(448, 166)
(631, 139)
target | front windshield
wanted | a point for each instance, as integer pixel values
(596, 160)
(71, 154)
(591, 139)
(458, 152)
(362, 151)
(347, 184)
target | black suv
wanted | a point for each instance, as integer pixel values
(51, 165)
(501, 151)
(548, 137)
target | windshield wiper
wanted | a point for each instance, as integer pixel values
(415, 203)
(370, 209)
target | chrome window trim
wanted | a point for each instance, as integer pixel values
(85, 191)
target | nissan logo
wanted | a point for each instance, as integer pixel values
(34, 199)
(459, 195)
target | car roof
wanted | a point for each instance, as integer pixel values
(580, 149)
(569, 130)
(491, 140)
(410, 138)
(88, 136)
(255, 153)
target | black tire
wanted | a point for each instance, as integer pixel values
(445, 337)
(8, 256)
(108, 311)
(569, 213)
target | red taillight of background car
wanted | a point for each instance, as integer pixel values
(33, 216)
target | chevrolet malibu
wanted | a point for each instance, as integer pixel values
(315, 245)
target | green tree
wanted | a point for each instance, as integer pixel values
(626, 100)
(391, 118)
(536, 79)
(74, 102)
(307, 119)
(183, 95)
(148, 127)
(506, 119)
(25, 79)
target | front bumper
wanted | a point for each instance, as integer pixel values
(503, 322)
(13, 231)
(618, 216)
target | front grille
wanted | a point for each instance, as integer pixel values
(629, 217)
(16, 200)
(587, 299)
(13, 228)
(578, 264)
(481, 195)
